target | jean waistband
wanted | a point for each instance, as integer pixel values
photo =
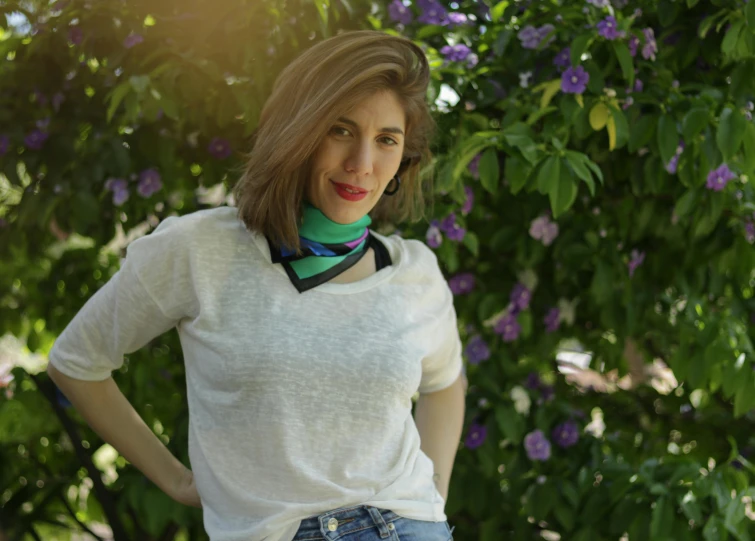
(339, 522)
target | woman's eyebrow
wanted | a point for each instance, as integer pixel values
(350, 122)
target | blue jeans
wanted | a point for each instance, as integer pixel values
(367, 523)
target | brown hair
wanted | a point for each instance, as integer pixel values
(308, 96)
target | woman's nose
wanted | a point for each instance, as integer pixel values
(359, 160)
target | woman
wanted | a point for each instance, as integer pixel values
(305, 334)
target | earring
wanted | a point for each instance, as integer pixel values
(398, 185)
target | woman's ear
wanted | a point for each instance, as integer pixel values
(406, 163)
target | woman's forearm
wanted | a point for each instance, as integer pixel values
(440, 418)
(104, 407)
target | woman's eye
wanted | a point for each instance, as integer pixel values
(340, 131)
(389, 141)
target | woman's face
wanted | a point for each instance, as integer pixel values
(361, 152)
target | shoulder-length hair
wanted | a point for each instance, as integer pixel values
(307, 98)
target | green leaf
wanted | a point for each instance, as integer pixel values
(547, 178)
(578, 48)
(750, 15)
(577, 162)
(731, 130)
(524, 144)
(595, 169)
(622, 126)
(692, 3)
(563, 194)
(497, 10)
(668, 138)
(662, 519)
(625, 60)
(524, 318)
(731, 38)
(641, 133)
(471, 241)
(516, 172)
(565, 516)
(489, 170)
(510, 423)
(744, 400)
(694, 122)
(748, 141)
(598, 116)
(116, 97)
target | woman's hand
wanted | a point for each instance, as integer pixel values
(184, 490)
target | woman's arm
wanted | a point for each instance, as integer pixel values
(440, 418)
(104, 407)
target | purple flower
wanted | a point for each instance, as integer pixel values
(133, 39)
(638, 85)
(466, 208)
(432, 12)
(546, 393)
(628, 103)
(651, 47)
(634, 43)
(474, 166)
(750, 232)
(475, 436)
(433, 237)
(452, 230)
(574, 80)
(609, 28)
(545, 31)
(4, 144)
(42, 123)
(537, 446)
(552, 319)
(35, 139)
(635, 261)
(457, 19)
(219, 148)
(563, 59)
(75, 35)
(718, 178)
(477, 350)
(566, 434)
(456, 53)
(672, 164)
(119, 187)
(149, 182)
(533, 381)
(399, 13)
(529, 36)
(462, 283)
(508, 327)
(521, 296)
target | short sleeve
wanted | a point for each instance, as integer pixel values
(148, 295)
(442, 367)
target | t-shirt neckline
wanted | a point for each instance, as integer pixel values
(394, 249)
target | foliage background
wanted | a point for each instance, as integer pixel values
(578, 216)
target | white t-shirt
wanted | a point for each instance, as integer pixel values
(299, 403)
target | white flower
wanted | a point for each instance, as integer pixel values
(567, 310)
(521, 400)
(524, 79)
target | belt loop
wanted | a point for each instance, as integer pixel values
(379, 521)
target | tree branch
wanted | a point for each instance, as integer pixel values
(46, 387)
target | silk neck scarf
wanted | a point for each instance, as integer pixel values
(328, 249)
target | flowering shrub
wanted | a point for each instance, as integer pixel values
(594, 205)
(598, 157)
